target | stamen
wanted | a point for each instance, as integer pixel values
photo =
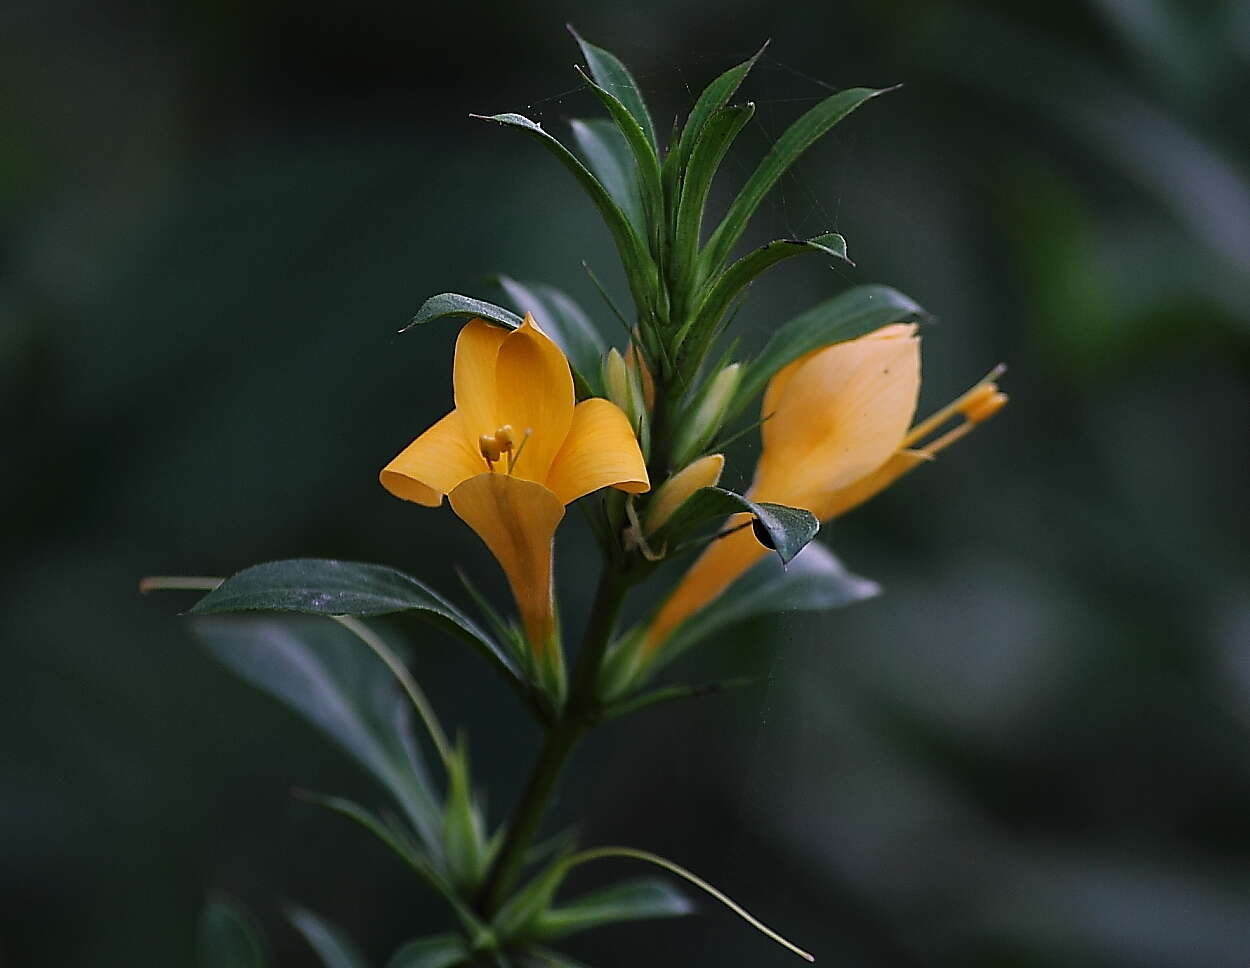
(489, 447)
(515, 456)
(504, 436)
(986, 408)
(955, 433)
(983, 391)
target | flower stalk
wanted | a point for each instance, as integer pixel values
(579, 714)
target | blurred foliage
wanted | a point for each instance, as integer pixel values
(1031, 750)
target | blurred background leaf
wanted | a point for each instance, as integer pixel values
(1032, 749)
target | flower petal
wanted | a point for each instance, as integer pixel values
(517, 519)
(847, 498)
(599, 451)
(433, 464)
(839, 416)
(534, 388)
(473, 378)
(722, 562)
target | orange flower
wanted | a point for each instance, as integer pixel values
(515, 451)
(835, 433)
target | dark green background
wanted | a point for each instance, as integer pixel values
(1031, 751)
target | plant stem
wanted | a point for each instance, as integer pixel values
(578, 716)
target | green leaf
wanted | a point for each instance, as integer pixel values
(454, 304)
(399, 840)
(673, 693)
(393, 837)
(814, 581)
(464, 837)
(559, 316)
(615, 78)
(545, 958)
(850, 314)
(639, 269)
(524, 907)
(436, 951)
(228, 938)
(785, 151)
(708, 152)
(332, 945)
(324, 586)
(637, 900)
(714, 97)
(642, 150)
(322, 672)
(786, 530)
(608, 155)
(731, 282)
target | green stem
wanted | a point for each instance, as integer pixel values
(580, 713)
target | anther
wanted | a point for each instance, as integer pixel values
(504, 436)
(489, 447)
(986, 407)
(972, 401)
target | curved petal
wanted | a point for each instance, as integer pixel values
(847, 498)
(722, 562)
(839, 416)
(517, 519)
(473, 377)
(534, 394)
(599, 451)
(433, 464)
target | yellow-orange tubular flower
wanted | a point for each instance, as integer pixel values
(514, 451)
(835, 433)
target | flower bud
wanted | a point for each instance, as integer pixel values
(638, 368)
(672, 494)
(623, 385)
(616, 379)
(701, 426)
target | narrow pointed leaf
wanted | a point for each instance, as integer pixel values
(714, 97)
(638, 900)
(325, 586)
(742, 273)
(642, 149)
(436, 951)
(848, 315)
(454, 304)
(814, 581)
(613, 76)
(464, 838)
(674, 693)
(228, 938)
(639, 268)
(321, 671)
(607, 154)
(523, 908)
(785, 151)
(786, 530)
(545, 958)
(707, 153)
(398, 840)
(333, 946)
(401, 845)
(560, 317)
